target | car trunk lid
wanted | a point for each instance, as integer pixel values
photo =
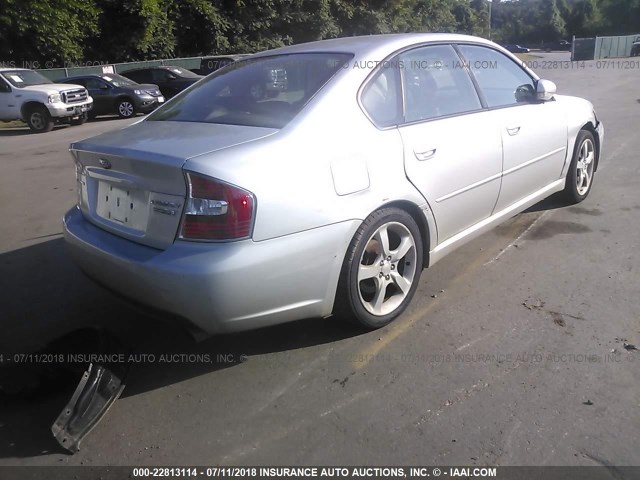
(131, 183)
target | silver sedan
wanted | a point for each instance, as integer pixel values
(366, 160)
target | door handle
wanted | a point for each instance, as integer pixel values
(426, 155)
(513, 130)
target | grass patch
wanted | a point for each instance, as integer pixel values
(527, 56)
(14, 124)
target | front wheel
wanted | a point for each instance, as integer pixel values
(39, 119)
(381, 270)
(582, 168)
(126, 108)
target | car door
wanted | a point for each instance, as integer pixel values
(534, 133)
(102, 94)
(453, 152)
(164, 80)
(9, 107)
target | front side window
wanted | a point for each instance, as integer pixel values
(501, 80)
(159, 75)
(436, 84)
(262, 92)
(4, 87)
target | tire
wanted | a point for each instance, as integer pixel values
(39, 119)
(80, 120)
(91, 115)
(582, 168)
(377, 282)
(126, 108)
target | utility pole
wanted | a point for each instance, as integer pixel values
(490, 4)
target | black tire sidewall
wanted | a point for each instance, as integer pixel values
(571, 189)
(47, 119)
(352, 263)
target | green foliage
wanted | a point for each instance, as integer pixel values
(46, 30)
(121, 30)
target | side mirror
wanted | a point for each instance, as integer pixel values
(104, 87)
(171, 77)
(525, 93)
(545, 90)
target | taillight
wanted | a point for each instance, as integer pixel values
(216, 210)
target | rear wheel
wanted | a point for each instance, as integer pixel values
(381, 269)
(582, 168)
(126, 108)
(39, 119)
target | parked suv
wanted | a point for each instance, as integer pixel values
(171, 80)
(27, 95)
(114, 94)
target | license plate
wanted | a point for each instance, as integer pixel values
(160, 99)
(123, 205)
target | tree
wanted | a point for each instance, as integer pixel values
(46, 30)
(133, 30)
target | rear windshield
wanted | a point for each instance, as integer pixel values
(24, 78)
(260, 92)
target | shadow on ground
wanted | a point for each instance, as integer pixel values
(48, 299)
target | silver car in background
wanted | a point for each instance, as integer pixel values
(378, 157)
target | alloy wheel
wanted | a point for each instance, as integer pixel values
(585, 165)
(387, 268)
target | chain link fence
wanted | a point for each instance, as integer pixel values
(190, 63)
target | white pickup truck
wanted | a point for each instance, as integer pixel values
(27, 95)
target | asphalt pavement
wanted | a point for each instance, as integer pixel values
(512, 352)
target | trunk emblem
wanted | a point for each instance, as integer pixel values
(105, 163)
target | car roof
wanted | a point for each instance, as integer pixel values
(233, 56)
(86, 75)
(164, 67)
(373, 44)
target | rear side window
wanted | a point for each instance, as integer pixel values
(436, 84)
(261, 92)
(140, 76)
(93, 83)
(498, 76)
(381, 97)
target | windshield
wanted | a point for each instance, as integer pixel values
(181, 72)
(24, 78)
(260, 92)
(117, 80)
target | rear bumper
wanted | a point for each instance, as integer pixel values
(219, 287)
